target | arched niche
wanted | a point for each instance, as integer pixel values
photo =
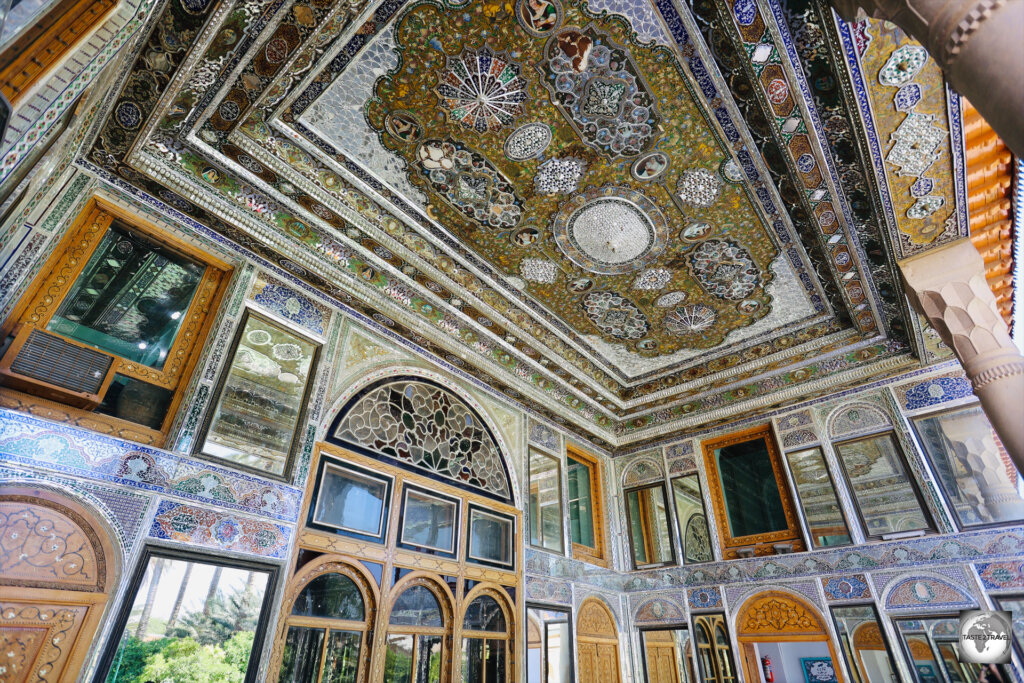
(781, 622)
(417, 423)
(597, 642)
(58, 570)
(329, 607)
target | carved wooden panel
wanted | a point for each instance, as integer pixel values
(598, 642)
(775, 612)
(661, 657)
(46, 548)
(868, 637)
(595, 621)
(38, 639)
(919, 649)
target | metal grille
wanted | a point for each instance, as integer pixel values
(53, 360)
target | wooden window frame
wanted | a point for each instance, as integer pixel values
(681, 532)
(150, 551)
(714, 620)
(46, 41)
(649, 534)
(514, 532)
(54, 283)
(289, 463)
(444, 632)
(890, 432)
(536, 523)
(599, 553)
(762, 543)
(457, 526)
(320, 472)
(508, 636)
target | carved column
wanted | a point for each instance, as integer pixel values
(978, 44)
(948, 287)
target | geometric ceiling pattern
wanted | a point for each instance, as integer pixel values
(632, 216)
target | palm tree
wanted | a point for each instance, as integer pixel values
(181, 596)
(210, 594)
(147, 609)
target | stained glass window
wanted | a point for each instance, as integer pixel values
(130, 299)
(979, 481)
(886, 496)
(260, 404)
(422, 425)
(693, 523)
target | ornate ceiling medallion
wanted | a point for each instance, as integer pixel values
(698, 187)
(482, 90)
(610, 230)
(559, 176)
(470, 183)
(528, 141)
(615, 315)
(599, 89)
(725, 269)
(670, 299)
(690, 319)
(731, 170)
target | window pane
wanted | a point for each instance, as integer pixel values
(483, 661)
(301, 659)
(648, 526)
(130, 299)
(753, 504)
(545, 502)
(398, 659)
(428, 659)
(1014, 604)
(351, 501)
(549, 652)
(693, 524)
(922, 637)
(332, 596)
(131, 399)
(186, 612)
(668, 656)
(417, 606)
(979, 481)
(863, 644)
(581, 504)
(429, 522)
(484, 614)
(490, 537)
(260, 403)
(885, 495)
(342, 662)
(818, 498)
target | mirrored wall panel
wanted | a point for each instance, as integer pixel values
(1014, 604)
(668, 656)
(887, 498)
(692, 519)
(429, 521)
(549, 647)
(980, 483)
(261, 399)
(817, 494)
(649, 532)
(545, 501)
(932, 644)
(188, 612)
(868, 659)
(490, 538)
(351, 501)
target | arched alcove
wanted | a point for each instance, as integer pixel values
(787, 629)
(60, 566)
(597, 642)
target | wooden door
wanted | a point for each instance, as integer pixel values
(597, 643)
(660, 651)
(56, 569)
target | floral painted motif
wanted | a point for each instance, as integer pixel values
(846, 587)
(216, 529)
(482, 90)
(725, 269)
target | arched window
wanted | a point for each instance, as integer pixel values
(486, 654)
(326, 630)
(714, 655)
(417, 627)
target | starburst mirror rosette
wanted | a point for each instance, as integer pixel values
(482, 90)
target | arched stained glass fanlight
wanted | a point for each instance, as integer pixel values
(416, 423)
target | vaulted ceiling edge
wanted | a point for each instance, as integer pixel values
(633, 216)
